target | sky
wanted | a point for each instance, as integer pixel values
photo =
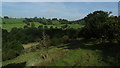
(65, 10)
(60, 0)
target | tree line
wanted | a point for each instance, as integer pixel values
(45, 21)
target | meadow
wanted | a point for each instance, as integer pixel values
(67, 43)
(18, 23)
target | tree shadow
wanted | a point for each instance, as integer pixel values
(15, 65)
(108, 49)
(84, 44)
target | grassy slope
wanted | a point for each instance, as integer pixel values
(80, 57)
(63, 55)
(10, 23)
(33, 58)
(10, 26)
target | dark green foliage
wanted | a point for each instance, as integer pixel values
(40, 27)
(51, 27)
(65, 39)
(94, 23)
(56, 41)
(26, 22)
(49, 22)
(4, 23)
(64, 26)
(16, 65)
(6, 17)
(24, 35)
(45, 21)
(54, 19)
(26, 26)
(11, 49)
(32, 25)
(112, 29)
(80, 22)
(45, 27)
(100, 25)
(63, 21)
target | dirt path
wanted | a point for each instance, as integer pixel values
(30, 45)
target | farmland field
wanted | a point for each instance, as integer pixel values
(13, 20)
(11, 23)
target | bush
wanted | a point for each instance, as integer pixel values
(11, 49)
(64, 39)
(55, 41)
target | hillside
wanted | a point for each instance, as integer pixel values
(13, 20)
(63, 55)
(91, 41)
(10, 23)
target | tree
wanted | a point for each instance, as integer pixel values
(94, 22)
(51, 27)
(102, 26)
(32, 25)
(26, 26)
(44, 42)
(64, 26)
(11, 49)
(4, 23)
(6, 17)
(45, 27)
(54, 19)
(26, 22)
(112, 29)
(40, 27)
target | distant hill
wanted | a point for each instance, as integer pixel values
(12, 20)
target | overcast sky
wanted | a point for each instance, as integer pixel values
(66, 10)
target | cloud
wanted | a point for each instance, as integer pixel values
(66, 10)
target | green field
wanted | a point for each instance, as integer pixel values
(13, 20)
(10, 23)
(62, 55)
(10, 26)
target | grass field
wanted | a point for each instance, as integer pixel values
(10, 26)
(73, 54)
(11, 23)
(13, 20)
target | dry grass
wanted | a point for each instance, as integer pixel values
(30, 45)
(52, 56)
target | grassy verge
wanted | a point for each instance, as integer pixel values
(61, 56)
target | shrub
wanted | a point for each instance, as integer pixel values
(11, 49)
(65, 39)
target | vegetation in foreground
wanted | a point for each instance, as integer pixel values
(95, 44)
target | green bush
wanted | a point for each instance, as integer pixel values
(64, 39)
(11, 49)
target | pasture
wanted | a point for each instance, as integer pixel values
(63, 55)
(11, 23)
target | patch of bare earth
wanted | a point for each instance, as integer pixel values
(49, 59)
(30, 45)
